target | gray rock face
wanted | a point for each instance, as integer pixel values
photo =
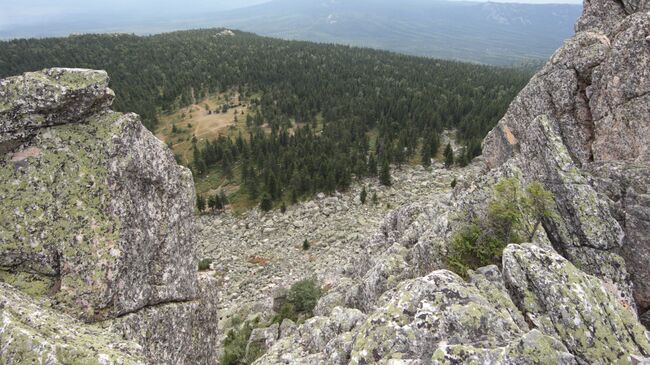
(41, 99)
(625, 184)
(568, 304)
(541, 310)
(175, 333)
(589, 107)
(31, 333)
(97, 214)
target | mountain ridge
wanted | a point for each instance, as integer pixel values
(494, 33)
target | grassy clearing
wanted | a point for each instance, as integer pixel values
(203, 120)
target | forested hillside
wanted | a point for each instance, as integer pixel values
(491, 32)
(346, 100)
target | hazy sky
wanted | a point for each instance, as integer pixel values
(23, 12)
(28, 12)
(15, 14)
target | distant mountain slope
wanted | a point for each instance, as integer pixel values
(496, 33)
(493, 33)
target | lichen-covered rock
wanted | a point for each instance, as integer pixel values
(532, 348)
(589, 105)
(262, 339)
(31, 333)
(98, 206)
(97, 215)
(437, 310)
(175, 332)
(319, 340)
(55, 96)
(626, 186)
(565, 303)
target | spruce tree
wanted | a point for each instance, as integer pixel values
(218, 204)
(426, 156)
(384, 175)
(363, 195)
(449, 155)
(200, 203)
(266, 204)
(372, 165)
(223, 198)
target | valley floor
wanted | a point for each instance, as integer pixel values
(256, 254)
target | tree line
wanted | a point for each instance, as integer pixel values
(320, 101)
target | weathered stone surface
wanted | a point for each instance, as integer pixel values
(97, 215)
(532, 348)
(262, 339)
(585, 231)
(568, 304)
(31, 333)
(625, 184)
(589, 105)
(424, 313)
(55, 96)
(316, 340)
(620, 100)
(98, 206)
(175, 332)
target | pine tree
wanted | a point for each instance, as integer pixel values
(363, 195)
(449, 155)
(384, 175)
(426, 156)
(266, 204)
(375, 199)
(372, 165)
(200, 203)
(218, 204)
(223, 198)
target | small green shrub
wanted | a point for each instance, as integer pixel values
(512, 216)
(305, 245)
(301, 301)
(304, 295)
(234, 346)
(204, 264)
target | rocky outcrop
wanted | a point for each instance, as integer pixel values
(97, 215)
(32, 333)
(542, 309)
(581, 126)
(53, 97)
(568, 304)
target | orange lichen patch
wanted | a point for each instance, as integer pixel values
(509, 136)
(258, 260)
(25, 154)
